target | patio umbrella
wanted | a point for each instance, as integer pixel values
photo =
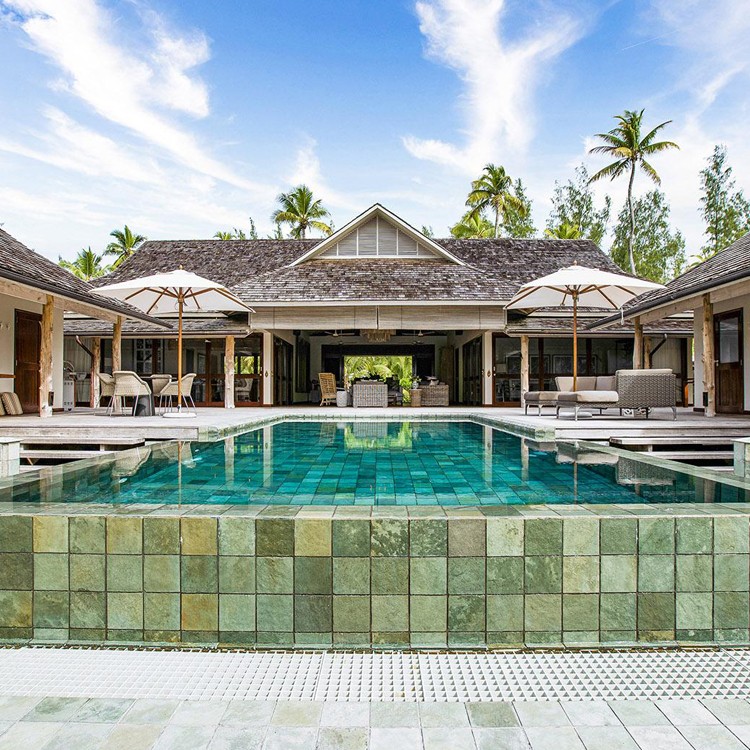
(577, 285)
(174, 291)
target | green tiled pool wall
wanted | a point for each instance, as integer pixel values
(319, 581)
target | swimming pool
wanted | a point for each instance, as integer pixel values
(409, 463)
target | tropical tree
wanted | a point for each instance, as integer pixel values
(427, 231)
(301, 211)
(493, 191)
(725, 210)
(564, 231)
(238, 234)
(630, 148)
(472, 226)
(124, 244)
(573, 204)
(224, 235)
(87, 265)
(518, 221)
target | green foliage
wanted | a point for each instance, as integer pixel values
(301, 211)
(659, 250)
(427, 231)
(124, 244)
(238, 234)
(563, 231)
(472, 226)
(629, 149)
(573, 205)
(725, 210)
(381, 367)
(494, 191)
(87, 265)
(518, 222)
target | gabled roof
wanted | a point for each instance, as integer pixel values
(22, 265)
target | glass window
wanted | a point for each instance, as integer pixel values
(729, 339)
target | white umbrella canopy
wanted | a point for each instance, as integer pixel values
(577, 285)
(174, 291)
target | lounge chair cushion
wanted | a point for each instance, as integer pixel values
(11, 403)
(583, 383)
(606, 382)
(535, 397)
(589, 397)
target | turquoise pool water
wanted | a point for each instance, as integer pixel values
(369, 463)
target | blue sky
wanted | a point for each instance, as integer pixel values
(181, 117)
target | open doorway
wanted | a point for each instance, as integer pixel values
(395, 370)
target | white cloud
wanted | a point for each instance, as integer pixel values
(499, 75)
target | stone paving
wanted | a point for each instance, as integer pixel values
(118, 724)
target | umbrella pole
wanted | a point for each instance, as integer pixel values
(575, 339)
(180, 300)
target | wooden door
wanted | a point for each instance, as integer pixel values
(728, 348)
(28, 344)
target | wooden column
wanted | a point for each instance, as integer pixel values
(708, 356)
(229, 373)
(637, 345)
(268, 364)
(96, 358)
(117, 345)
(45, 358)
(524, 366)
(647, 352)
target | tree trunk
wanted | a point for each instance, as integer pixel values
(497, 220)
(631, 234)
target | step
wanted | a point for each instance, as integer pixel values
(694, 455)
(69, 440)
(672, 440)
(61, 454)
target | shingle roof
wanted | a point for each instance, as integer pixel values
(20, 264)
(258, 270)
(552, 325)
(730, 264)
(219, 326)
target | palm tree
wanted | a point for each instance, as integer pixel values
(87, 265)
(630, 149)
(472, 226)
(301, 212)
(223, 235)
(125, 244)
(564, 231)
(494, 190)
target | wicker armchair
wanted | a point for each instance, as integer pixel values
(158, 383)
(106, 386)
(171, 391)
(128, 384)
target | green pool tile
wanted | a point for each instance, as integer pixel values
(505, 537)
(15, 534)
(313, 640)
(161, 536)
(509, 639)
(389, 575)
(313, 575)
(731, 635)
(505, 613)
(274, 639)
(543, 612)
(312, 537)
(467, 537)
(618, 536)
(274, 613)
(466, 639)
(351, 575)
(466, 613)
(87, 534)
(236, 536)
(124, 535)
(351, 537)
(352, 640)
(124, 611)
(617, 612)
(466, 575)
(274, 537)
(274, 575)
(51, 635)
(390, 614)
(51, 609)
(238, 638)
(390, 537)
(161, 573)
(543, 574)
(161, 611)
(694, 573)
(88, 609)
(313, 613)
(731, 572)
(199, 612)
(124, 573)
(731, 610)
(695, 536)
(88, 635)
(51, 572)
(581, 536)
(731, 535)
(351, 614)
(656, 573)
(429, 640)
(656, 536)
(199, 574)
(543, 536)
(428, 537)
(505, 575)
(619, 573)
(580, 574)
(390, 639)
(429, 575)
(16, 571)
(656, 611)
(580, 612)
(50, 534)
(236, 575)
(237, 612)
(15, 609)
(694, 611)
(87, 573)
(544, 638)
(199, 536)
(428, 613)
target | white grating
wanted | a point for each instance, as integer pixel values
(356, 676)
